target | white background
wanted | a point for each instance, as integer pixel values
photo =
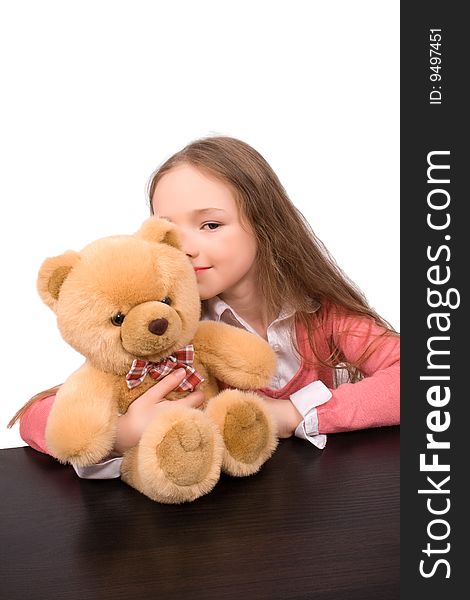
(96, 94)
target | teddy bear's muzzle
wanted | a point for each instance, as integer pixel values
(158, 326)
(151, 330)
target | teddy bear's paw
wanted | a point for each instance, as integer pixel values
(81, 441)
(247, 428)
(178, 458)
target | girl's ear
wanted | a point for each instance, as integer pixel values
(159, 231)
(52, 274)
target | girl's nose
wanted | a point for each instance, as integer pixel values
(189, 244)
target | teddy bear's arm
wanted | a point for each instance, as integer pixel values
(82, 424)
(234, 356)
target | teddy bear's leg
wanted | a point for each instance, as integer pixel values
(247, 428)
(178, 458)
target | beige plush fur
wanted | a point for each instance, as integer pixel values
(181, 453)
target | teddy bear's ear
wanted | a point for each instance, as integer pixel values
(159, 231)
(53, 273)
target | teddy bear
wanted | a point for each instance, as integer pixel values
(130, 305)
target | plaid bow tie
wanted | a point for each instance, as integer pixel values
(182, 358)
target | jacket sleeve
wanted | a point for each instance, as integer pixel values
(33, 431)
(33, 423)
(375, 400)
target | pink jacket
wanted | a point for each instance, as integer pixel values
(372, 402)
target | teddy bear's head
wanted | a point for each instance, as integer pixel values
(124, 297)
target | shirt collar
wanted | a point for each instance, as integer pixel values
(215, 309)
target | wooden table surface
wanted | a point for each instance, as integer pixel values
(313, 524)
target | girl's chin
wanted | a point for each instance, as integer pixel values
(205, 294)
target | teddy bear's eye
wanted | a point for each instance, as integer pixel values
(166, 300)
(117, 319)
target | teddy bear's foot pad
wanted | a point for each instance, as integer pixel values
(185, 452)
(178, 458)
(247, 429)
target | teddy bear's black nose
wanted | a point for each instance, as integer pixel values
(158, 326)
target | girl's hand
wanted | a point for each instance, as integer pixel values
(286, 416)
(142, 411)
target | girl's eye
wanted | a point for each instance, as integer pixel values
(118, 319)
(211, 225)
(166, 300)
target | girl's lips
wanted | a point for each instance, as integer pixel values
(201, 268)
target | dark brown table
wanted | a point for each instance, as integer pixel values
(311, 525)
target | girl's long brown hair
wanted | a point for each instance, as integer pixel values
(296, 267)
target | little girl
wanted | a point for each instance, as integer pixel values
(260, 267)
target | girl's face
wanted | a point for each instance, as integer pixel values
(206, 214)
